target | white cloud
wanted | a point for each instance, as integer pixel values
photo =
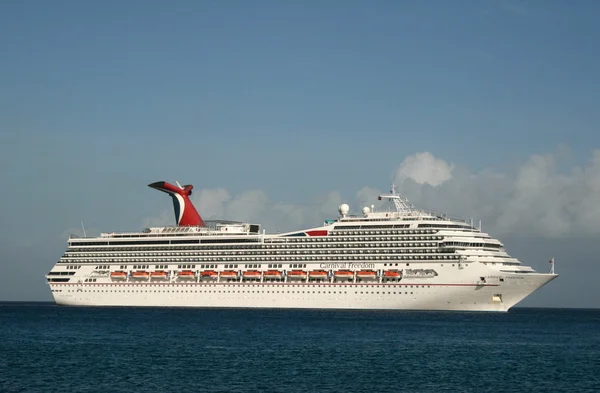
(536, 199)
(286, 217)
(424, 168)
(247, 206)
(367, 196)
(166, 217)
(211, 201)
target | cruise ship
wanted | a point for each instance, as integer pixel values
(398, 259)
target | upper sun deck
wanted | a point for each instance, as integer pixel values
(213, 228)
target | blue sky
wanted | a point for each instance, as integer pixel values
(296, 99)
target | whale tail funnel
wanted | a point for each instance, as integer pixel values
(186, 214)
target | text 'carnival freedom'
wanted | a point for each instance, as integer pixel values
(347, 266)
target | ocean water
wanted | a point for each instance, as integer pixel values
(45, 348)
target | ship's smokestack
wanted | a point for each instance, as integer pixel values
(185, 212)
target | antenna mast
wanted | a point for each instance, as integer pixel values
(401, 203)
(82, 227)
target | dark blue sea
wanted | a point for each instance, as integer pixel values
(45, 348)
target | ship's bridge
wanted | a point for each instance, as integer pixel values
(404, 211)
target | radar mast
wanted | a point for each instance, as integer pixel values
(401, 203)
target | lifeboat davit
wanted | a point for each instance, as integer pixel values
(140, 275)
(344, 274)
(186, 275)
(273, 274)
(118, 275)
(159, 275)
(392, 274)
(296, 274)
(318, 274)
(366, 274)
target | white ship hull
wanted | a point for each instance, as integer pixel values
(412, 295)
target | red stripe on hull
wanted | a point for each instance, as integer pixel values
(319, 232)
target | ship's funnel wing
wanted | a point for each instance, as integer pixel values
(185, 212)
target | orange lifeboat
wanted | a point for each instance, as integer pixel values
(119, 275)
(229, 274)
(392, 274)
(318, 274)
(344, 274)
(209, 274)
(159, 275)
(140, 275)
(296, 274)
(186, 275)
(252, 274)
(366, 274)
(272, 274)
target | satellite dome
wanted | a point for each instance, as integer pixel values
(344, 209)
(366, 210)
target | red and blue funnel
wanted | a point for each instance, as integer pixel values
(186, 214)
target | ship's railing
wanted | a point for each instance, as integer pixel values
(434, 215)
(173, 231)
(414, 215)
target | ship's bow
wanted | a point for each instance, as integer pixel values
(519, 286)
